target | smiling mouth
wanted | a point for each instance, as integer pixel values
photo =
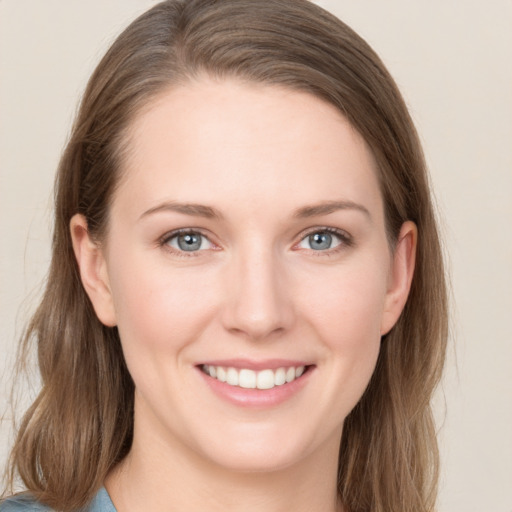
(251, 379)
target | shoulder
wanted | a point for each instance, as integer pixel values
(22, 503)
(101, 502)
(26, 503)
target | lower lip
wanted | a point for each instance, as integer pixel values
(259, 398)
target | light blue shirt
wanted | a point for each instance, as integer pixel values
(100, 503)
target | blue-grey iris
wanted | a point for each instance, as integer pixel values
(320, 241)
(189, 242)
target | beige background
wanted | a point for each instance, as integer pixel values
(453, 62)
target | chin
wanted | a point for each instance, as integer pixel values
(247, 461)
(259, 449)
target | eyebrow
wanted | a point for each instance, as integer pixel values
(201, 210)
(193, 209)
(327, 207)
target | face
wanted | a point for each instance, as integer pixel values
(247, 268)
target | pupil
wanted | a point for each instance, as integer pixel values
(320, 241)
(189, 242)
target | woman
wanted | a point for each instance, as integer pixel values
(246, 305)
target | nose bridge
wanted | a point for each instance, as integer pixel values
(259, 302)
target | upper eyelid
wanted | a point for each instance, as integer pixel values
(302, 234)
(319, 229)
(183, 231)
(330, 229)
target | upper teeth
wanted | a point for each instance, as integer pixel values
(250, 379)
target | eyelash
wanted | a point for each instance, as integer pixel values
(164, 242)
(346, 240)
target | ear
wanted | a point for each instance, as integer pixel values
(93, 270)
(400, 279)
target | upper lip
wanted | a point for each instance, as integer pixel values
(266, 364)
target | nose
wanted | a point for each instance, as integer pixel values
(259, 302)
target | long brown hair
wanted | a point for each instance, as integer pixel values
(81, 423)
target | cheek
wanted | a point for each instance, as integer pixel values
(346, 315)
(349, 305)
(158, 311)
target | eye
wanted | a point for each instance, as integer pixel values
(188, 241)
(324, 240)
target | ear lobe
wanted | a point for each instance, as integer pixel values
(93, 270)
(402, 271)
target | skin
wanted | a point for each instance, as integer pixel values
(257, 289)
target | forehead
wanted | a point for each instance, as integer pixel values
(210, 141)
